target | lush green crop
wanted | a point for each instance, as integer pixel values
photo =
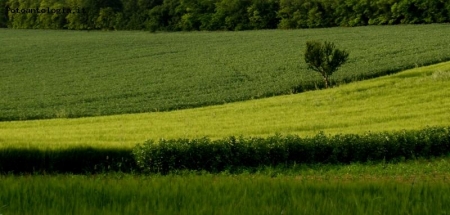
(408, 100)
(220, 194)
(48, 74)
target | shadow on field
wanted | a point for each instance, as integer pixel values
(77, 160)
(232, 153)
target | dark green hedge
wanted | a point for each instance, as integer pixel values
(231, 153)
(187, 15)
(234, 153)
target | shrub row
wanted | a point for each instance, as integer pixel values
(175, 15)
(231, 153)
(234, 153)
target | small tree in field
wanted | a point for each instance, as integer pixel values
(324, 58)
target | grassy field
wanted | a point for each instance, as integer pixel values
(408, 100)
(418, 187)
(59, 74)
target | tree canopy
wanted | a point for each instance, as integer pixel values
(188, 15)
(324, 58)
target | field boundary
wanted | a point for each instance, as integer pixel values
(233, 153)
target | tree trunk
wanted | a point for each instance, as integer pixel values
(325, 79)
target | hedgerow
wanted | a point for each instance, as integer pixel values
(232, 153)
(240, 152)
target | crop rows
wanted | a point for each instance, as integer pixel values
(51, 74)
(408, 100)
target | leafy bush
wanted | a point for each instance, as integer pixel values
(234, 153)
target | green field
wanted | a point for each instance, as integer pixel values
(408, 100)
(69, 80)
(59, 74)
(419, 187)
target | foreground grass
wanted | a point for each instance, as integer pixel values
(59, 74)
(415, 187)
(408, 100)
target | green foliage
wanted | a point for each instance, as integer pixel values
(98, 73)
(231, 15)
(234, 153)
(77, 21)
(292, 14)
(188, 15)
(106, 19)
(262, 14)
(23, 20)
(49, 20)
(324, 58)
(420, 11)
(133, 15)
(190, 19)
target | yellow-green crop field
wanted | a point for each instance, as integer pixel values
(411, 99)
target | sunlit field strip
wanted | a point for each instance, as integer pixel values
(408, 100)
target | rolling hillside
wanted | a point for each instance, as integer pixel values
(67, 74)
(407, 100)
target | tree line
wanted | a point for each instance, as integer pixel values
(212, 15)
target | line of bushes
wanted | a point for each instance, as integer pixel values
(233, 153)
(187, 15)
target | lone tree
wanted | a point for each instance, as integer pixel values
(324, 58)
